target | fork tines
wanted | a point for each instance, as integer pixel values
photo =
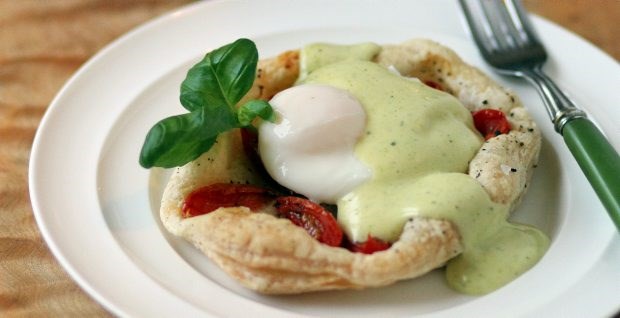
(502, 27)
(504, 22)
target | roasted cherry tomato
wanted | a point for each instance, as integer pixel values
(317, 221)
(370, 246)
(491, 123)
(433, 84)
(221, 195)
(249, 139)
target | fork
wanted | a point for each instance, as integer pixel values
(507, 41)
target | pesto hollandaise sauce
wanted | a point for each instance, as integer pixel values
(314, 56)
(418, 142)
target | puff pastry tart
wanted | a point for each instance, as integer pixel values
(249, 238)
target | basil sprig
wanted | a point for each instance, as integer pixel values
(210, 92)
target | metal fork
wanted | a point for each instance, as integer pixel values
(507, 41)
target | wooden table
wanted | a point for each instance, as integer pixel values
(42, 43)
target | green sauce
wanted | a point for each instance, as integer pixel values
(418, 143)
(314, 56)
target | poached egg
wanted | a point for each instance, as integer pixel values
(310, 149)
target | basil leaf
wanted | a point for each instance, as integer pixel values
(223, 77)
(255, 108)
(177, 140)
(210, 92)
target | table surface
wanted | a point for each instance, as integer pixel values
(42, 43)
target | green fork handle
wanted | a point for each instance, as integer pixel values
(598, 160)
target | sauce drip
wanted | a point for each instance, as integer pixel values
(418, 142)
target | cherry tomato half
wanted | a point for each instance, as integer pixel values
(249, 140)
(370, 246)
(316, 220)
(433, 84)
(491, 123)
(220, 195)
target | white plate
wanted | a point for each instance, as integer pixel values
(97, 209)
